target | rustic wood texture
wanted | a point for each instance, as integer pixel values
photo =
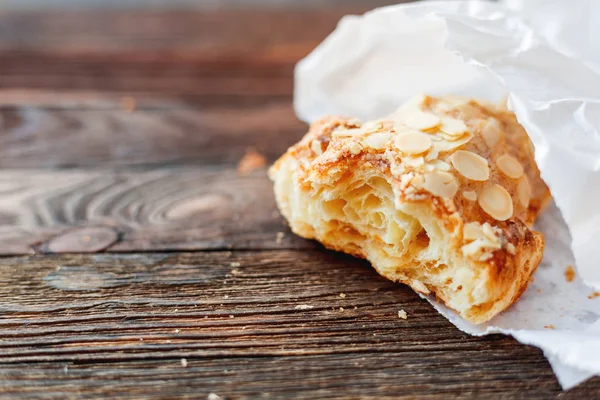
(224, 54)
(32, 137)
(168, 209)
(120, 134)
(249, 323)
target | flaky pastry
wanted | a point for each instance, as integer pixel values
(440, 195)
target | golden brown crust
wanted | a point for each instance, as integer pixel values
(439, 195)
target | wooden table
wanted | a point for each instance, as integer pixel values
(139, 262)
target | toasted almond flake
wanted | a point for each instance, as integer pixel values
(496, 202)
(491, 132)
(354, 123)
(510, 166)
(447, 145)
(470, 165)
(524, 191)
(438, 164)
(377, 141)
(412, 105)
(422, 120)
(315, 146)
(470, 195)
(412, 142)
(414, 162)
(346, 133)
(354, 148)
(472, 231)
(402, 314)
(454, 127)
(444, 136)
(439, 183)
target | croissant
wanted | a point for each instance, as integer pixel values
(440, 195)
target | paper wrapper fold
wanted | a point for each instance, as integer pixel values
(373, 63)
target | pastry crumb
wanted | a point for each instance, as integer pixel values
(250, 161)
(303, 307)
(184, 362)
(279, 237)
(549, 326)
(235, 272)
(402, 314)
(594, 295)
(343, 295)
(569, 273)
(539, 290)
(214, 396)
(128, 104)
(234, 264)
(341, 308)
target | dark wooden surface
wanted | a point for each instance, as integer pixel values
(120, 135)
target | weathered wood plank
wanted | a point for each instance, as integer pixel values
(241, 321)
(189, 54)
(32, 137)
(193, 208)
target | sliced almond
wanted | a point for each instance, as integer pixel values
(444, 136)
(422, 120)
(470, 195)
(491, 132)
(442, 166)
(524, 191)
(377, 141)
(441, 184)
(414, 162)
(355, 148)
(345, 133)
(490, 234)
(510, 166)
(496, 202)
(315, 146)
(472, 231)
(399, 127)
(370, 127)
(453, 126)
(470, 165)
(354, 123)
(445, 145)
(411, 106)
(413, 142)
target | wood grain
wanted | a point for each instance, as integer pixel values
(177, 208)
(38, 137)
(194, 55)
(114, 324)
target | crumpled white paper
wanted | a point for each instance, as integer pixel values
(373, 63)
